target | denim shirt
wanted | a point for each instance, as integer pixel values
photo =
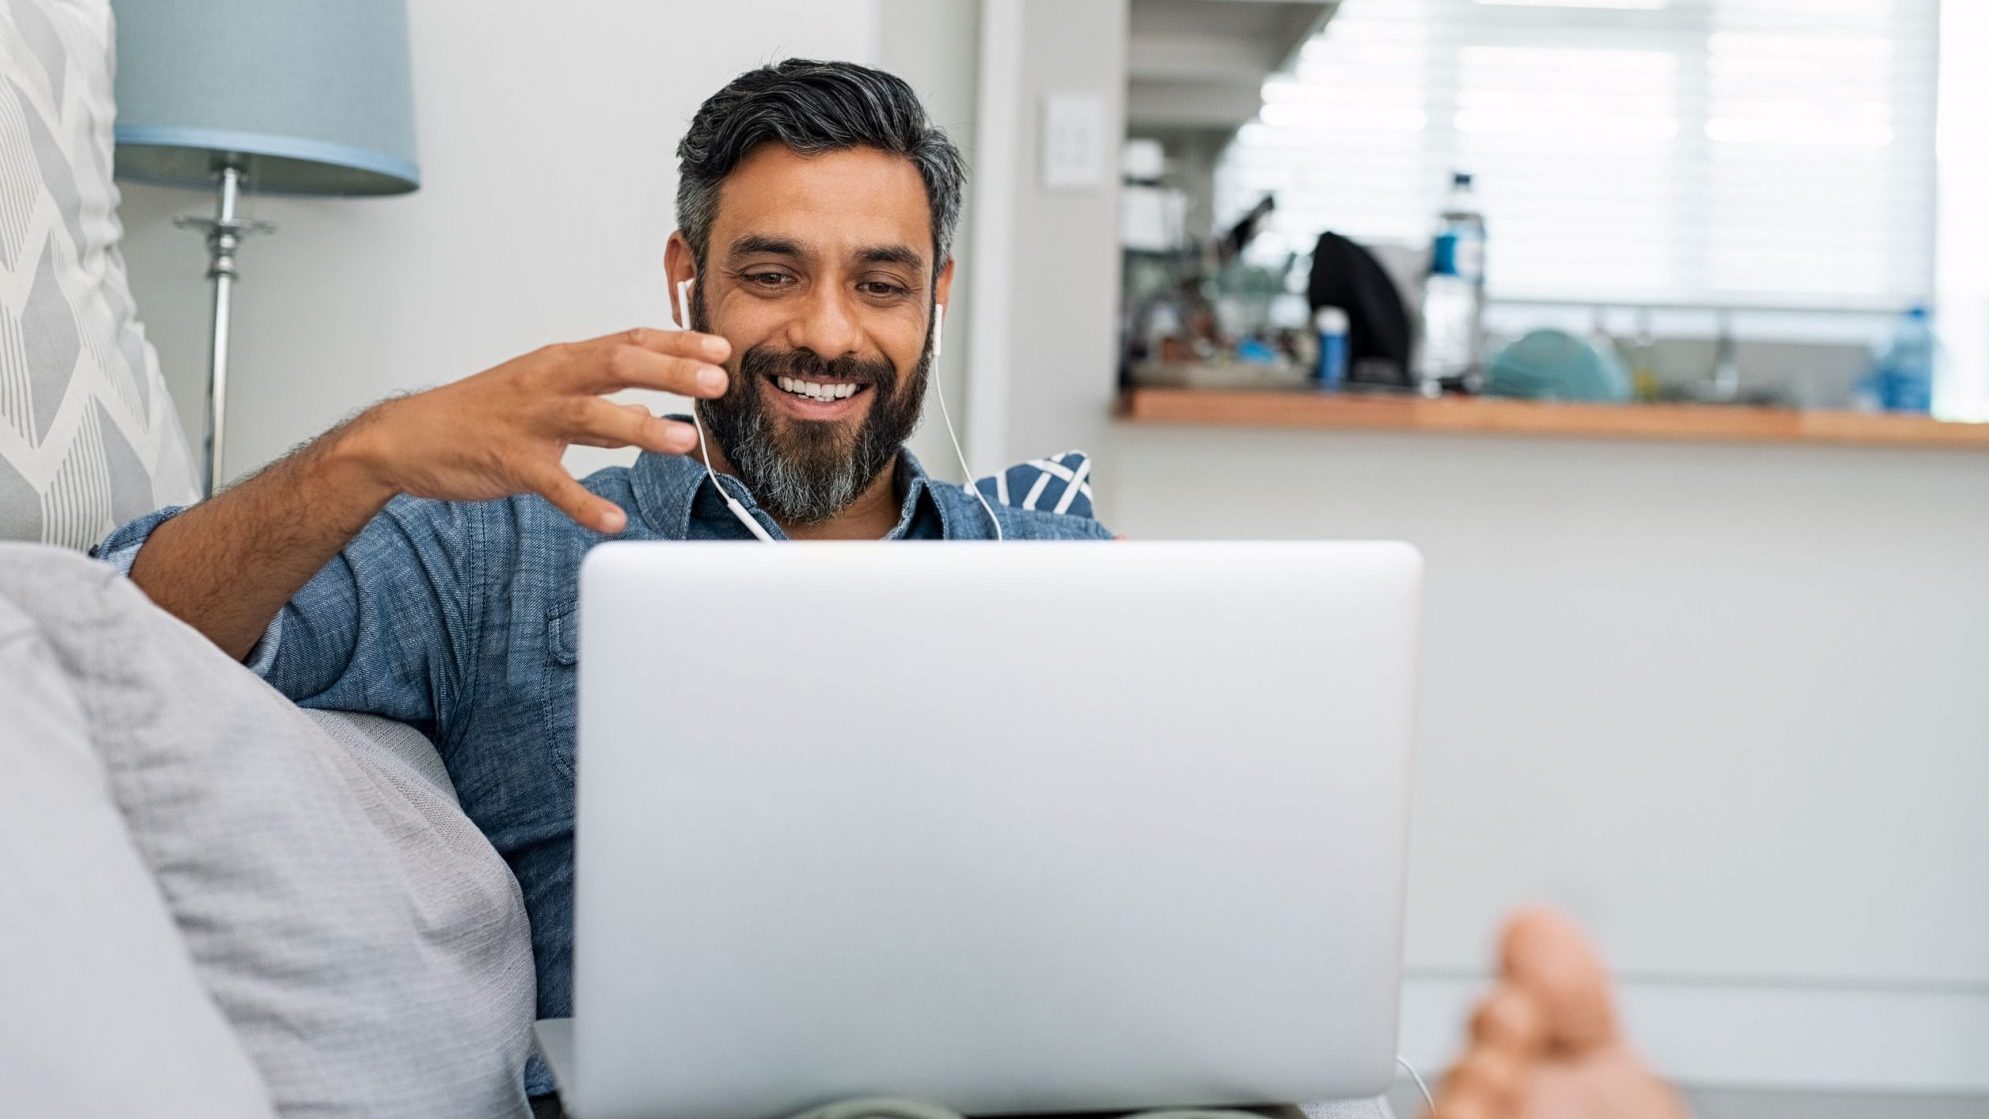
(460, 618)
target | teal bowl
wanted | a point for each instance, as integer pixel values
(1556, 365)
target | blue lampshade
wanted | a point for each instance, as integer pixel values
(307, 96)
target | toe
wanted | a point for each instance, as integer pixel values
(1544, 954)
(1489, 1078)
(1509, 1019)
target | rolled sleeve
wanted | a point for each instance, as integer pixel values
(120, 550)
(388, 626)
(385, 628)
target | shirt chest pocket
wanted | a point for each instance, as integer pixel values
(562, 654)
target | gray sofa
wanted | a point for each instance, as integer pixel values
(225, 905)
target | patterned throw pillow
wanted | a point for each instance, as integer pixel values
(1058, 484)
(88, 437)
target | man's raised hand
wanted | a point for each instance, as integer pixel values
(504, 431)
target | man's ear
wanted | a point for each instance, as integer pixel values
(678, 266)
(942, 288)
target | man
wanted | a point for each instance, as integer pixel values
(421, 561)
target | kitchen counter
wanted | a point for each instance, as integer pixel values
(1487, 416)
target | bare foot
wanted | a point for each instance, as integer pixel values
(1545, 1043)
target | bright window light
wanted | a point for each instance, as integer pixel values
(1761, 152)
(1964, 222)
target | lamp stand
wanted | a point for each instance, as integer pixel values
(225, 233)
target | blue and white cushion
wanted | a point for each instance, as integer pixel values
(1058, 484)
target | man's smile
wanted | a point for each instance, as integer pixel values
(816, 397)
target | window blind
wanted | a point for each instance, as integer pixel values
(1774, 153)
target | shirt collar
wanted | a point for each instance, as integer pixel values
(671, 489)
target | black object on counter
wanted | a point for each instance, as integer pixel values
(1347, 276)
(1243, 232)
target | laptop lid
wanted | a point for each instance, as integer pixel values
(1014, 828)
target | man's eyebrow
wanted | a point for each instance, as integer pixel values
(753, 243)
(892, 254)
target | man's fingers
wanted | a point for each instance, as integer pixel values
(603, 423)
(626, 366)
(580, 503)
(670, 343)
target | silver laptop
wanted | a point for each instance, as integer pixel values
(1010, 828)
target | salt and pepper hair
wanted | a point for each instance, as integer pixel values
(811, 108)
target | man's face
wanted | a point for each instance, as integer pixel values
(820, 273)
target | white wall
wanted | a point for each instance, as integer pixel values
(1062, 337)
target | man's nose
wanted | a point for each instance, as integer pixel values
(827, 325)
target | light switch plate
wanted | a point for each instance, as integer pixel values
(1075, 146)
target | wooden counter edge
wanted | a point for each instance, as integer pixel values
(1689, 422)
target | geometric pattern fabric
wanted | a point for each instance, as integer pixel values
(88, 437)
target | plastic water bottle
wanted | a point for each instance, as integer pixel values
(1454, 296)
(1331, 324)
(1902, 376)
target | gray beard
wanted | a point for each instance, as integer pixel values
(815, 472)
(805, 488)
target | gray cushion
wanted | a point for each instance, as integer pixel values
(368, 946)
(402, 754)
(104, 1014)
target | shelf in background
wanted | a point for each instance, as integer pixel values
(1693, 422)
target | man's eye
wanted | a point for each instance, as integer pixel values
(879, 288)
(767, 279)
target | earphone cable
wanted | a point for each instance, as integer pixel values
(752, 524)
(939, 389)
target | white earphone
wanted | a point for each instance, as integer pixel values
(683, 319)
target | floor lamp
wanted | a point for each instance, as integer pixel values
(299, 97)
